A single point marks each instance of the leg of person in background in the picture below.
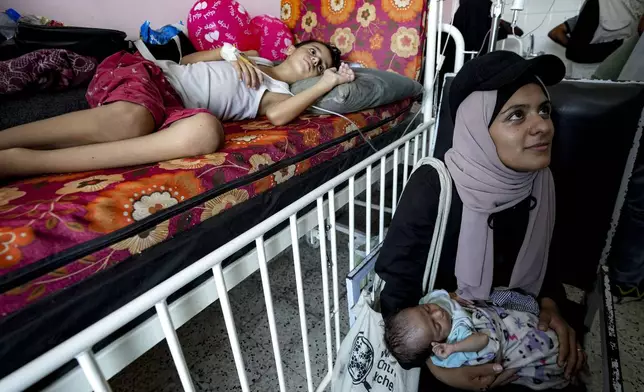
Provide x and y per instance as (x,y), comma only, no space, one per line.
(579,48)
(196,135)
(613,66)
(633,69)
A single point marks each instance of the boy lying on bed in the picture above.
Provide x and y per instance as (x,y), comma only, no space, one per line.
(451,335)
(131,98)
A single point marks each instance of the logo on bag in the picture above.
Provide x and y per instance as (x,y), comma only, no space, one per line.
(361,362)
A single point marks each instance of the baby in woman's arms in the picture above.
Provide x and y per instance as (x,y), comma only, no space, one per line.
(452,336)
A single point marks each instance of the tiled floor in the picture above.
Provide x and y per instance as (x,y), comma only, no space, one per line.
(210,360)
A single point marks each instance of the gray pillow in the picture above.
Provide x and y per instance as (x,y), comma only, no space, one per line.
(371,88)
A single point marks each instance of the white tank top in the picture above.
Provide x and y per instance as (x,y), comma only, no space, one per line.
(215,86)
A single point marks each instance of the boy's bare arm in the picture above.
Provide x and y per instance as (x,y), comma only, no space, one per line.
(282,108)
(209,55)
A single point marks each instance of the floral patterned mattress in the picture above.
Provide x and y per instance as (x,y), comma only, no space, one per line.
(42,217)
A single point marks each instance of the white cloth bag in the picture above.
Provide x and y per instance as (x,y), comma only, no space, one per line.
(363,363)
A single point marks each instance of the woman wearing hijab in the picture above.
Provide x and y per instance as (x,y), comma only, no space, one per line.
(502,214)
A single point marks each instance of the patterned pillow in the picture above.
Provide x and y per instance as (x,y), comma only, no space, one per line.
(212,23)
(384,34)
(274,37)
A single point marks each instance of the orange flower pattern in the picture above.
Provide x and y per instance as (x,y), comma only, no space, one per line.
(290,12)
(390,31)
(337,11)
(402,10)
(144,240)
(264,138)
(363,58)
(90,184)
(264,184)
(11,240)
(136,200)
(9,194)
(341,127)
(214,159)
(412,70)
(39,217)
(375,42)
(311,137)
(223,202)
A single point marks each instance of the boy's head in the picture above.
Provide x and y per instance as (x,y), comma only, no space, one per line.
(311,58)
(409,334)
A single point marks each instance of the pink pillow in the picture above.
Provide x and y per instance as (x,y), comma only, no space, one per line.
(275,37)
(211,23)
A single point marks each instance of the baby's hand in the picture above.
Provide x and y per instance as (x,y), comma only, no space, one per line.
(442,350)
(334,77)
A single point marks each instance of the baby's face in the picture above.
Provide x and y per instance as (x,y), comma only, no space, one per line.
(433,320)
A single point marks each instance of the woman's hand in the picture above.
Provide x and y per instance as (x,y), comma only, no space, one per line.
(248,73)
(571,355)
(461,301)
(333,77)
(474,378)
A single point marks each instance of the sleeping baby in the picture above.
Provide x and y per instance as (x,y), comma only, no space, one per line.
(453,336)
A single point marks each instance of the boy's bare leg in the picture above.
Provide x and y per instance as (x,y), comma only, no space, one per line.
(115,121)
(196,135)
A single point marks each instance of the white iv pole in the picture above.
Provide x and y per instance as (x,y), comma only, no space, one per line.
(496,12)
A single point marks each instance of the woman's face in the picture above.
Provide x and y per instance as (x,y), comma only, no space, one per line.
(523,130)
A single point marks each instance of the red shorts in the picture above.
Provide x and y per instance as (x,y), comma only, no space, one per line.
(131,78)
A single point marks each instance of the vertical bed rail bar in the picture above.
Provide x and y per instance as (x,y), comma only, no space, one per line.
(406,163)
(416,145)
(92,372)
(368,211)
(325,284)
(423,153)
(394,193)
(173,344)
(300,299)
(268,298)
(430,60)
(381,217)
(220,283)
(334,268)
(352,222)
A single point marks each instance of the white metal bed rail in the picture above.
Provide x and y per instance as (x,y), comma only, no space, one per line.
(80,345)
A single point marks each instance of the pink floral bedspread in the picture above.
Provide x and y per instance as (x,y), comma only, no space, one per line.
(40,217)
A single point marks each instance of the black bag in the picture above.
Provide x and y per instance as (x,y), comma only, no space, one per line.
(173,50)
(86,41)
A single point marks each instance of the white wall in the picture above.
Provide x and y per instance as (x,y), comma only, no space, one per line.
(125,15)
(539,18)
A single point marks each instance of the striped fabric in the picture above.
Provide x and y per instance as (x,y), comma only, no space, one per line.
(514,300)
